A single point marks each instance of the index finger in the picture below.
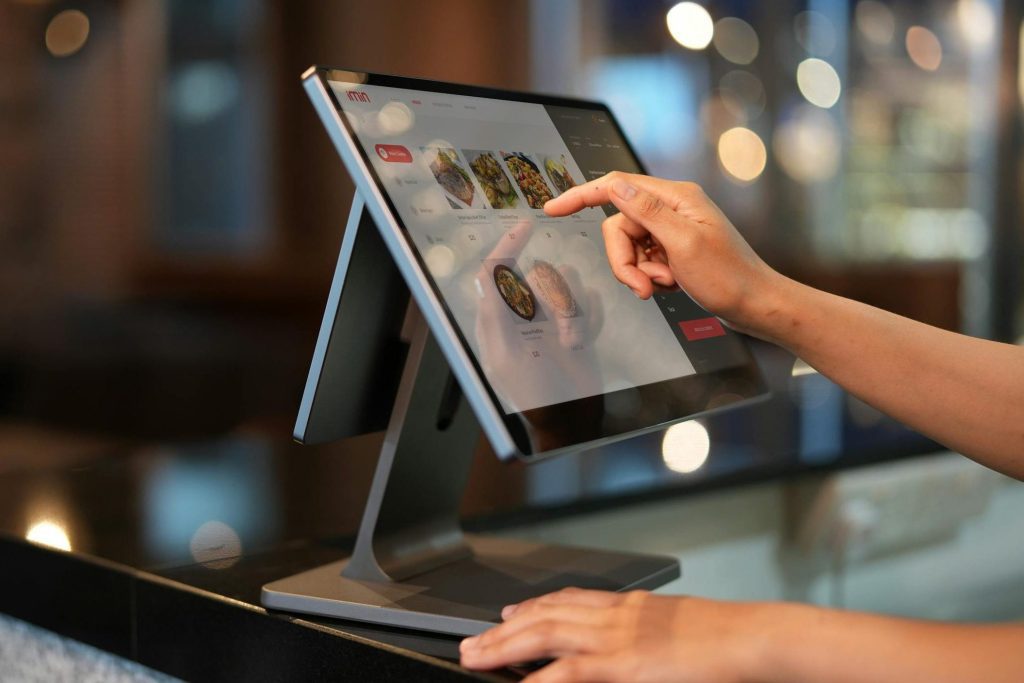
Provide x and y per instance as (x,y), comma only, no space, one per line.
(597,192)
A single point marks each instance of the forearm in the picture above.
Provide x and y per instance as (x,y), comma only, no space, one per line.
(965,393)
(811,644)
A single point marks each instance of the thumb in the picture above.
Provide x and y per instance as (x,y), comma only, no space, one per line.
(644,208)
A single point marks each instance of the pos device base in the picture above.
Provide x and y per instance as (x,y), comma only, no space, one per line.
(412,567)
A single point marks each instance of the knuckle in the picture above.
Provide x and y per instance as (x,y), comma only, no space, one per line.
(648,205)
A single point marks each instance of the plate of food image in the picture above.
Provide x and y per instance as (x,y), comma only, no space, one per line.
(492,178)
(529,179)
(453,179)
(553,289)
(558,174)
(515,292)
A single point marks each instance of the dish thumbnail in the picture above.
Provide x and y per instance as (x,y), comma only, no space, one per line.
(493,179)
(553,289)
(529,179)
(453,179)
(515,293)
(559,174)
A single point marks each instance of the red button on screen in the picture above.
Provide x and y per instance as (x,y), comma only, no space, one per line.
(704,328)
(395,154)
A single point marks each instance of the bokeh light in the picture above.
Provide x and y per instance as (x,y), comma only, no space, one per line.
(203,90)
(49,533)
(215,545)
(395,118)
(67,32)
(736,40)
(818,82)
(685,447)
(815,33)
(924,48)
(801,368)
(440,261)
(808,145)
(977,21)
(742,154)
(875,22)
(690,25)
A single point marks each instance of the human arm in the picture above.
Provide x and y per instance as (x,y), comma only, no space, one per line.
(637,637)
(965,393)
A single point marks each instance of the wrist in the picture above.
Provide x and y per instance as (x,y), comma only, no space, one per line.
(773,312)
(779,633)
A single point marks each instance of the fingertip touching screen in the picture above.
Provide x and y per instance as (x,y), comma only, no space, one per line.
(570,355)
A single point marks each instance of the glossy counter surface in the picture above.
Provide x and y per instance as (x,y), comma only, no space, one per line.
(166,546)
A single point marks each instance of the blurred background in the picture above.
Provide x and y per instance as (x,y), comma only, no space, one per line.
(171,211)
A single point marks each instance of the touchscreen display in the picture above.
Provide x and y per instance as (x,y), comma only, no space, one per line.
(533,296)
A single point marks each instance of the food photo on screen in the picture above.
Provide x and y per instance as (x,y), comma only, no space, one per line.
(454,180)
(497,186)
(558,172)
(528,177)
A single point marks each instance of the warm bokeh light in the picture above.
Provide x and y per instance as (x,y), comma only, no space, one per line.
(50,534)
(977,21)
(67,32)
(736,40)
(924,48)
(742,154)
(690,25)
(875,21)
(818,82)
(808,145)
(685,447)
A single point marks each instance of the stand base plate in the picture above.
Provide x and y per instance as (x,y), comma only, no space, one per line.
(465,597)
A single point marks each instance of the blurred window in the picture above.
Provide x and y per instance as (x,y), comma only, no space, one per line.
(214,171)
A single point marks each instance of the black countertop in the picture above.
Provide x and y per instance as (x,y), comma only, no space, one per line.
(168,545)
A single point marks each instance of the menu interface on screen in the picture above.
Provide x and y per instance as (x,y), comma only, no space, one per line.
(533,295)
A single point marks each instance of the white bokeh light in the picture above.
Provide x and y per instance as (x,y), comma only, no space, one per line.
(685,447)
(977,21)
(690,25)
(818,82)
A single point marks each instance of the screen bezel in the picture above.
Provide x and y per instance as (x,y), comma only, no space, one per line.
(746,376)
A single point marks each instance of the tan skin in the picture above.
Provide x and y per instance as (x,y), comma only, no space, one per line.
(963,392)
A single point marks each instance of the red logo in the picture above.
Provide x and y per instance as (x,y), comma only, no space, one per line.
(704,328)
(358,96)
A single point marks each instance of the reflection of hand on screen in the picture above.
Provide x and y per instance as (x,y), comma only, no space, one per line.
(522,362)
